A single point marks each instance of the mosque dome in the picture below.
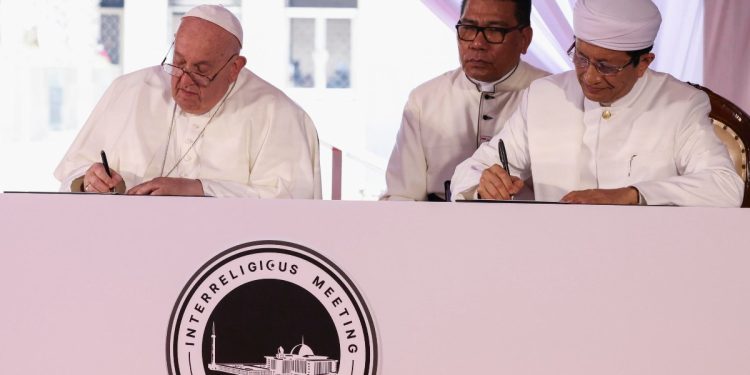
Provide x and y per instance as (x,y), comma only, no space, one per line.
(302,350)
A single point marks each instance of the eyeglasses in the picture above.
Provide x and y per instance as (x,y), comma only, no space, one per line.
(198,78)
(582,62)
(494,35)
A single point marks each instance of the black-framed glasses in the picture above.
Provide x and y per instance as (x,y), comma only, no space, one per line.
(582,62)
(198,78)
(492,34)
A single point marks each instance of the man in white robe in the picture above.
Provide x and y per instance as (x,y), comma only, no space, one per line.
(610,132)
(200,124)
(448,117)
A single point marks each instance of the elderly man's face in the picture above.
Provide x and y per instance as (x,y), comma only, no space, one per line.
(607,89)
(485,61)
(204,48)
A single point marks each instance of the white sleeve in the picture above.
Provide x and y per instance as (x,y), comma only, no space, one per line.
(706,175)
(96,131)
(406,176)
(67,181)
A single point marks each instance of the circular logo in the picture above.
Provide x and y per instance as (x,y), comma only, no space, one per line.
(267,308)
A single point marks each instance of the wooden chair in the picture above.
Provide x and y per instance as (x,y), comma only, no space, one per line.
(732,125)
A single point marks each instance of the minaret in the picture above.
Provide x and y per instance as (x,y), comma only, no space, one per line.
(213,343)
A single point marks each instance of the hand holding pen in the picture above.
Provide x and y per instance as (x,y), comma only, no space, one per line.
(496,181)
(99,178)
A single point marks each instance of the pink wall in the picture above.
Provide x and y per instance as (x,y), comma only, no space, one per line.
(727,50)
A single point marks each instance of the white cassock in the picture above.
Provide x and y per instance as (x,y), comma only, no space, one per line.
(657,138)
(444,121)
(259,143)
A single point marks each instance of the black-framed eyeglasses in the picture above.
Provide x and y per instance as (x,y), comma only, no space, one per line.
(492,34)
(582,62)
(198,78)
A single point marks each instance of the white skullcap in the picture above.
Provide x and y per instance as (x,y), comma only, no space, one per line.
(620,25)
(219,16)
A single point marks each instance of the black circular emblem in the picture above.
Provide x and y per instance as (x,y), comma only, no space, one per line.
(267,308)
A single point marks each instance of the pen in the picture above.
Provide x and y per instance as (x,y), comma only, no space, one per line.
(106,167)
(503,158)
(502,154)
(104,162)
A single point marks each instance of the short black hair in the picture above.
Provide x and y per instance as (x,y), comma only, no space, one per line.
(523,10)
(635,56)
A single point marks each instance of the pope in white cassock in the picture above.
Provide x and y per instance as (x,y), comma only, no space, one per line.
(199,124)
(448,117)
(610,132)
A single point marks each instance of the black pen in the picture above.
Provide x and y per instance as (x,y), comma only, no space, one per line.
(501,153)
(503,157)
(106,167)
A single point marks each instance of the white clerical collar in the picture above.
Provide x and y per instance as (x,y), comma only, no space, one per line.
(625,101)
(490,86)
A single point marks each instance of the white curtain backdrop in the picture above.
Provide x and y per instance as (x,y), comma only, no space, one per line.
(678,48)
(727,50)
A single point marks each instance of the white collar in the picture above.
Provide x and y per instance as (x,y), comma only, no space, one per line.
(626,101)
(490,86)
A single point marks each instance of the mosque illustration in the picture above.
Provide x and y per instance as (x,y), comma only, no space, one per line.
(300,361)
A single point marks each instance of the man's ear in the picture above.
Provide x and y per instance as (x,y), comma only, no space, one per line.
(526,34)
(237,66)
(644,62)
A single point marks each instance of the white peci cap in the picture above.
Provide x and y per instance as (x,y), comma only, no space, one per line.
(220,16)
(627,25)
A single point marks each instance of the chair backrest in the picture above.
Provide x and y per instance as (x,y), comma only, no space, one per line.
(732,125)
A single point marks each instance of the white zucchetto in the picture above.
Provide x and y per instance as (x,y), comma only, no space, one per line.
(220,16)
(620,25)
